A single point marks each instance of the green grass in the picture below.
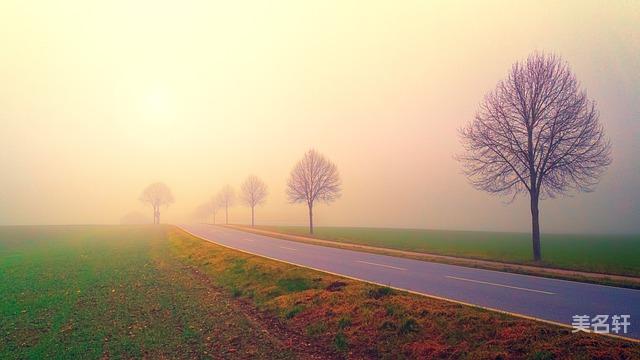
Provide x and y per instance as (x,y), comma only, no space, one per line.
(158,292)
(95,291)
(610,254)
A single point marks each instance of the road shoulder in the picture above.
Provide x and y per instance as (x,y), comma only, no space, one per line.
(554,273)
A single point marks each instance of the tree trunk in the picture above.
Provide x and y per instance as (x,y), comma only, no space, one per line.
(252,217)
(310,218)
(226,214)
(535,227)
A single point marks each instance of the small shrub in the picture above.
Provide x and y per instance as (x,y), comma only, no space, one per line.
(380,292)
(409,325)
(340,342)
(392,309)
(316,329)
(235,292)
(388,326)
(189,334)
(344,322)
(289,314)
(336,286)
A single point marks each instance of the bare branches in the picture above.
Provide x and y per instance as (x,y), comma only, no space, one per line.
(203,211)
(537,132)
(226,198)
(214,205)
(157,195)
(254,191)
(314,178)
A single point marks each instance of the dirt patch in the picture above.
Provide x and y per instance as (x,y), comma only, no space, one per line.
(336,286)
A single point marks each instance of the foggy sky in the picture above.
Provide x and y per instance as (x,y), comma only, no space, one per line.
(100,99)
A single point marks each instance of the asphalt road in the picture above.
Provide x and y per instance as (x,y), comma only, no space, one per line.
(544,298)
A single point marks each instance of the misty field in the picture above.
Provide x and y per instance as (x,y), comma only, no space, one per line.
(610,254)
(111,291)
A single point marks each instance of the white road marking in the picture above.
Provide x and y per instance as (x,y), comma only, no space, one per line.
(288,248)
(387,266)
(501,285)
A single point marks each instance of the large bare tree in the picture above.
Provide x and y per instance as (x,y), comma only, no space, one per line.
(254,192)
(314,178)
(536,133)
(226,198)
(157,195)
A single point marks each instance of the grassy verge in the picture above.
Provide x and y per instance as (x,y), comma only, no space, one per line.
(158,292)
(355,319)
(608,254)
(624,274)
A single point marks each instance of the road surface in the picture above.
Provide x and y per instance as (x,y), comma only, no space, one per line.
(544,298)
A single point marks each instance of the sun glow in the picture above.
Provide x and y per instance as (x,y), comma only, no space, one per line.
(157,102)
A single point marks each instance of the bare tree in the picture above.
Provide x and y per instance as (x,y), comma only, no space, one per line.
(226,198)
(202,212)
(214,207)
(157,195)
(254,192)
(207,211)
(537,133)
(314,178)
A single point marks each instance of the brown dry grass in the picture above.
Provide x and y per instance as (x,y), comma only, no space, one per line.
(359,320)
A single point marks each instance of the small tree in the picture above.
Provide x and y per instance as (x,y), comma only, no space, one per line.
(536,133)
(314,178)
(214,207)
(254,192)
(157,195)
(202,212)
(226,198)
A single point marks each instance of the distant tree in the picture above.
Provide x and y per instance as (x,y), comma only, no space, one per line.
(157,195)
(214,204)
(226,198)
(314,178)
(254,192)
(204,211)
(537,133)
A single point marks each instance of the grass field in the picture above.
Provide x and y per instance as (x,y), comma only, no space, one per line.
(609,254)
(157,292)
(89,292)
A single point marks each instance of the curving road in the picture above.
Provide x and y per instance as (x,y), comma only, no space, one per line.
(544,298)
